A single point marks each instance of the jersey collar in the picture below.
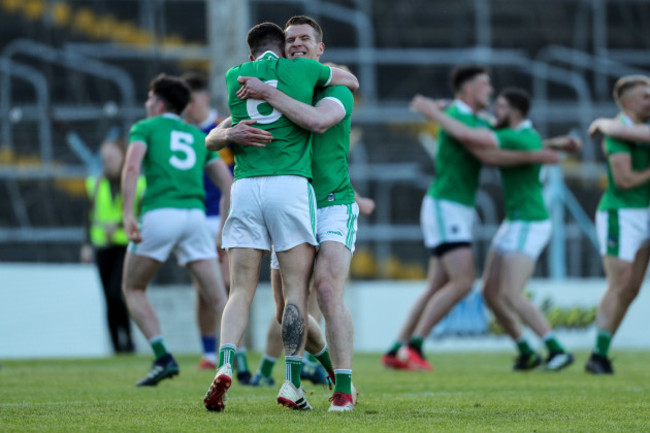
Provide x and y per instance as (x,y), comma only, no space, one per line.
(267,54)
(172,116)
(463,107)
(626,120)
(525,124)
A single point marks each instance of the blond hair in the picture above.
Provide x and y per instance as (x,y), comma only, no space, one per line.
(627,83)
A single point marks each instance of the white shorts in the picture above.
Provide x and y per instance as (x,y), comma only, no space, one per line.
(622,232)
(339,224)
(213,225)
(183,231)
(334,223)
(271,210)
(444,221)
(525,237)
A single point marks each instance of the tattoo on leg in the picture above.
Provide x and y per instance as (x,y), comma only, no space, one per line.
(293,329)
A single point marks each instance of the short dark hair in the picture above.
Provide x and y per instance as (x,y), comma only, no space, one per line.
(303,19)
(172,91)
(196,81)
(517,98)
(265,36)
(464,73)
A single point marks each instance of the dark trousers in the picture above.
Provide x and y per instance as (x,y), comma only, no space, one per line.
(110,263)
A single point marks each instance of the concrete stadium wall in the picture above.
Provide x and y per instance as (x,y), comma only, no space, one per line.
(58,311)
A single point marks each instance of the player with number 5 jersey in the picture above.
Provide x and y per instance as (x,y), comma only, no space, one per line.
(173,157)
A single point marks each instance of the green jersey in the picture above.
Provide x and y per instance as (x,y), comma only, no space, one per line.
(457,170)
(521,184)
(637,197)
(290,151)
(174,162)
(331,149)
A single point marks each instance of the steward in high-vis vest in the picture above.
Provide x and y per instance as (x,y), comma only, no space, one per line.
(105,216)
(105,232)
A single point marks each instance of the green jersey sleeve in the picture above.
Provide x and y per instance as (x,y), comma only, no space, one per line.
(139,132)
(340,94)
(612,146)
(210,156)
(322,75)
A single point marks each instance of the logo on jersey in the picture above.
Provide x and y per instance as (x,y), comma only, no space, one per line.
(331,197)
(612,242)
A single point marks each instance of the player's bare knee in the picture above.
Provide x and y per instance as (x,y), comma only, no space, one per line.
(628,294)
(328,297)
(463,284)
(490,294)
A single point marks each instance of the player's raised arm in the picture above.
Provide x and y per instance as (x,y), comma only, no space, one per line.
(130,174)
(469,137)
(507,158)
(564,143)
(617,129)
(319,118)
(243,134)
(344,78)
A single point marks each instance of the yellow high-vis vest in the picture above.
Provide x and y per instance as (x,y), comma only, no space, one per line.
(107,211)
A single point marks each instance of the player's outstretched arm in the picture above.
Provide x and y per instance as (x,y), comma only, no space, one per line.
(344,78)
(564,143)
(317,119)
(220,175)
(615,129)
(243,134)
(469,137)
(498,157)
(130,173)
(624,176)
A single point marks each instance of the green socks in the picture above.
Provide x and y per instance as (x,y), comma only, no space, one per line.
(158,346)
(266,366)
(343,381)
(395,348)
(324,358)
(311,358)
(241,363)
(523,347)
(603,340)
(416,343)
(226,354)
(293,367)
(552,344)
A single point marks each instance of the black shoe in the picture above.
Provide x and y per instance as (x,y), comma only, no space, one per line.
(598,364)
(244,377)
(527,361)
(162,368)
(558,360)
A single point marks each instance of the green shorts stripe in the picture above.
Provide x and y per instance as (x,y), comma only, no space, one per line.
(523,237)
(312,209)
(350,225)
(613,233)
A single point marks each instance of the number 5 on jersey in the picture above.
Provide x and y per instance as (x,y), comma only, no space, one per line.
(182,142)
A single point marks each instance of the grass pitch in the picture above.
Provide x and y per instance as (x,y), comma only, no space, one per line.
(468,392)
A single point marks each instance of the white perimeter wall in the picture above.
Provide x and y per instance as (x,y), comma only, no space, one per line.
(58,311)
